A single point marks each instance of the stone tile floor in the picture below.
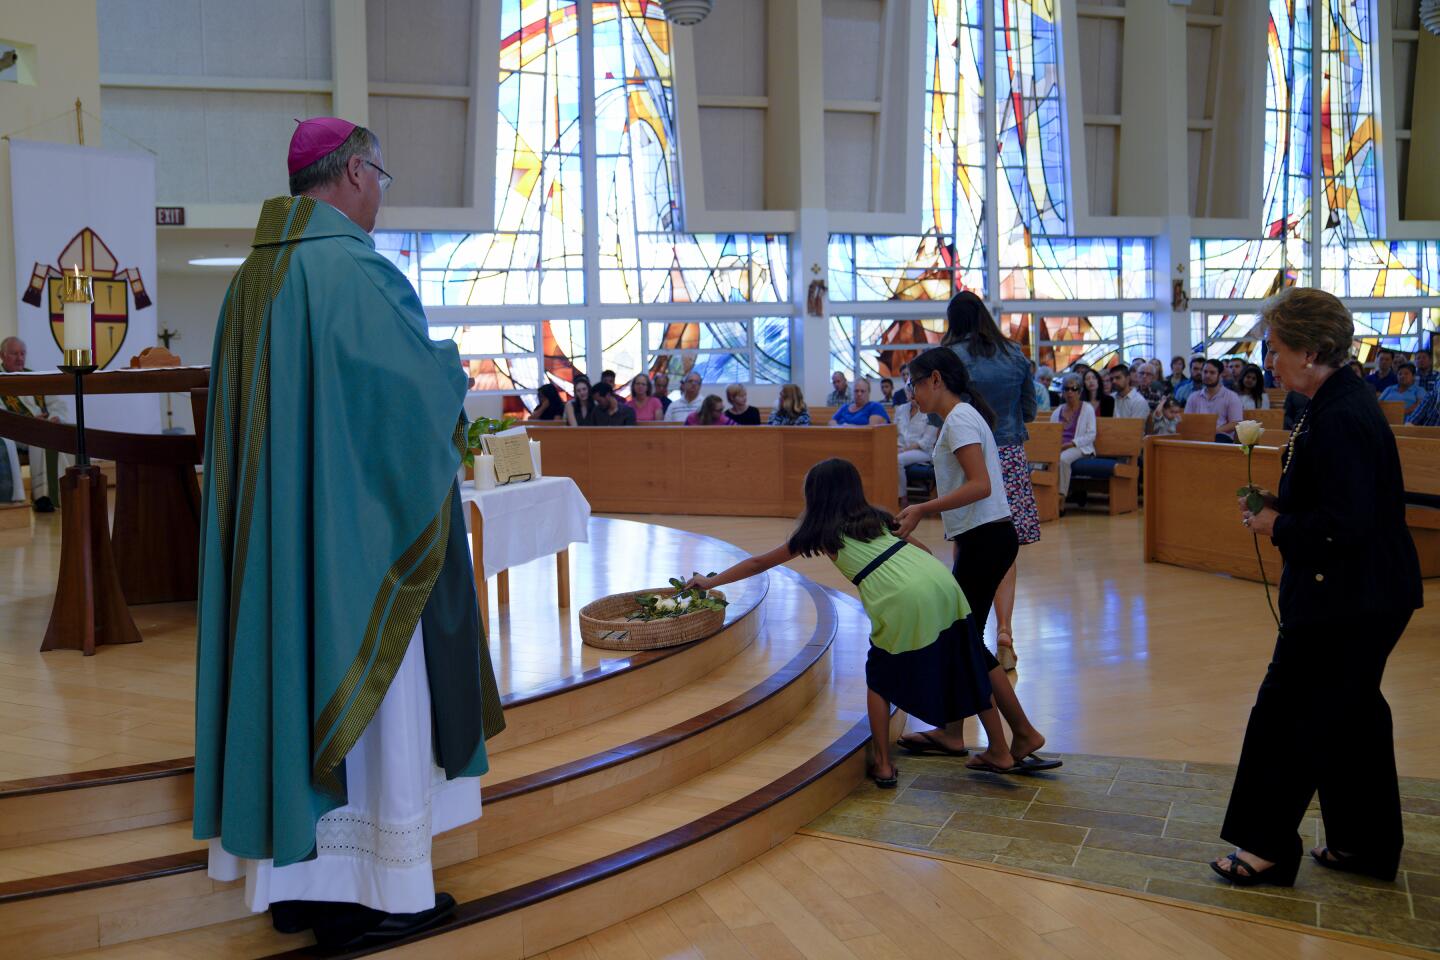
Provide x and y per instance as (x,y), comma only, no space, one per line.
(1144,825)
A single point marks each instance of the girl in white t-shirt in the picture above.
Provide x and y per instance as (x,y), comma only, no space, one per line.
(971,501)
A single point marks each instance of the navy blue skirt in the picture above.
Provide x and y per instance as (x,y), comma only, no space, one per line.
(938,684)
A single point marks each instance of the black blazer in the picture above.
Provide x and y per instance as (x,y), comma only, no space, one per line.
(1341,531)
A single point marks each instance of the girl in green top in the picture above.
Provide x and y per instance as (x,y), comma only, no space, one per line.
(925,656)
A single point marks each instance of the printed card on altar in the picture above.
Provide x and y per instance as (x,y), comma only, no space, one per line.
(512,457)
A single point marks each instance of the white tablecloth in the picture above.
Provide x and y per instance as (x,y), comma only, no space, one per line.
(526,521)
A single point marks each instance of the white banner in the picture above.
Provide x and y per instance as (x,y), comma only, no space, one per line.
(95,209)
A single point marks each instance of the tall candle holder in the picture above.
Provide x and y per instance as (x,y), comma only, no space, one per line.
(90,607)
(77,295)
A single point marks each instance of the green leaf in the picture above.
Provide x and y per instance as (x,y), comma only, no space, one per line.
(677,583)
(1254,502)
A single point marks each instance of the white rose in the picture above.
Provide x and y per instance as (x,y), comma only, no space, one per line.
(684,603)
(1248,432)
(666,605)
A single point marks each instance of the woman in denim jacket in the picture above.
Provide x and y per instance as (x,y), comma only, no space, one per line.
(999,370)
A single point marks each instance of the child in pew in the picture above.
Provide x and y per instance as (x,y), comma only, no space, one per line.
(925,654)
(971,499)
(1165,419)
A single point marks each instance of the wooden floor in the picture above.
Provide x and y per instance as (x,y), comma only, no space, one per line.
(1126,658)
(1117,657)
(62,713)
(816,897)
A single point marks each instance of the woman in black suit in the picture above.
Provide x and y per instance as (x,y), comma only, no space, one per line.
(1350,584)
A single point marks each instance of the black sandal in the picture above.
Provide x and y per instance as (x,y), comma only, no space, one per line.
(1332,859)
(886,783)
(1278,874)
(930,746)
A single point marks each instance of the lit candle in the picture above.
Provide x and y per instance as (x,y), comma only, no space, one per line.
(79,332)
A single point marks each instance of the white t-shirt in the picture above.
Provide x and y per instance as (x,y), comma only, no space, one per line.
(680,408)
(961,428)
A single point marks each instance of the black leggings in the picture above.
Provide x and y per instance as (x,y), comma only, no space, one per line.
(983,555)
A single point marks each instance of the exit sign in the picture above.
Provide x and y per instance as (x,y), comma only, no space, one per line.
(169,216)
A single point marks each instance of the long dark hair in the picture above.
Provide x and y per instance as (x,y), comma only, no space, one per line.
(956,377)
(1258,392)
(589,403)
(835,507)
(968,322)
(554,406)
(1086,393)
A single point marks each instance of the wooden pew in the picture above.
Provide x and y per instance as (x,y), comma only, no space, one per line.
(1420,465)
(1394,410)
(1277,397)
(1422,433)
(1273,419)
(713,471)
(1197,426)
(1274,438)
(1043,450)
(1117,439)
(1191,518)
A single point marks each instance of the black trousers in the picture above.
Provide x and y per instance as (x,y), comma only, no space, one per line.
(983,555)
(1321,723)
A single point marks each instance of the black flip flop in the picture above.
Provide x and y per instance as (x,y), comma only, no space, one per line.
(1036,763)
(930,747)
(985,766)
(885,783)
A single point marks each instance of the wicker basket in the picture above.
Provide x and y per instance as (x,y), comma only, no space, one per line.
(603,623)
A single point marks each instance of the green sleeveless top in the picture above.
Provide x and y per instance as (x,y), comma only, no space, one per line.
(911,598)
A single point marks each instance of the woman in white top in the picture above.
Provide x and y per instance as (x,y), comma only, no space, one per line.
(972,503)
(915,440)
(1077,431)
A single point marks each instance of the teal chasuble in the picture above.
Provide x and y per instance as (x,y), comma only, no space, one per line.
(332,526)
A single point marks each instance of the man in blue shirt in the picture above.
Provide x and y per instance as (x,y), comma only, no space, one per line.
(1405,389)
(1384,375)
(1427,414)
(1182,392)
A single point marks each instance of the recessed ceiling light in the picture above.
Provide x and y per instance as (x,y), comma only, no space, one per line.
(217,262)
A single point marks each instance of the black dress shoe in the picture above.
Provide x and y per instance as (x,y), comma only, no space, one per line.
(291,916)
(362,927)
(43,505)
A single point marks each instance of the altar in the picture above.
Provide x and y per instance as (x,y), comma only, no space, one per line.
(521,522)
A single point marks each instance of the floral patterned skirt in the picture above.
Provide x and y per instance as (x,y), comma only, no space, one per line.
(1023,514)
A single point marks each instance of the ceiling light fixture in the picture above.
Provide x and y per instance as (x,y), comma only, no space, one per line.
(686,13)
(217,261)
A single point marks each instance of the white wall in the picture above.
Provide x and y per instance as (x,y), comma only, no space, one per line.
(190,307)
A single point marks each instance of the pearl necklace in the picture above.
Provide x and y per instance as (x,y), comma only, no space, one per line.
(1294,435)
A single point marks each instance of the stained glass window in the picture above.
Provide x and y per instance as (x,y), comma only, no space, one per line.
(1089,268)
(511,357)
(644,255)
(751,350)
(1030,120)
(869,347)
(1229,335)
(1349,161)
(1036,260)
(1059,342)
(1405,330)
(1257,267)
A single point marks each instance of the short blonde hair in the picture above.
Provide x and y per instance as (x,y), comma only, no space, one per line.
(731,392)
(1306,319)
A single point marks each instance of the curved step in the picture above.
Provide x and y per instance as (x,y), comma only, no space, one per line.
(541,894)
(519,808)
(49,809)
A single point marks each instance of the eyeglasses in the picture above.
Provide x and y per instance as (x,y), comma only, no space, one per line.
(385,178)
(1072,389)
